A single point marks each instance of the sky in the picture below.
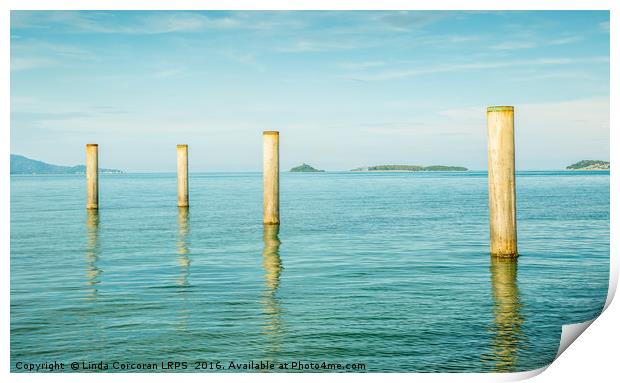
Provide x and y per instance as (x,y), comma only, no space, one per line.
(345,89)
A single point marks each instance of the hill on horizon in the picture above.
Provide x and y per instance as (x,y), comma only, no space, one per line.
(25,165)
(589,165)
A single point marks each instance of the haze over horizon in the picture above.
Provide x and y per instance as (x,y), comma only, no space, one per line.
(345,89)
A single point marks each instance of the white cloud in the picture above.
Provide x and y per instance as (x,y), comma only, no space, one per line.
(170,72)
(409,20)
(510,45)
(318,46)
(362,65)
(25,63)
(566,40)
(243,58)
(154,22)
(31,54)
(458,67)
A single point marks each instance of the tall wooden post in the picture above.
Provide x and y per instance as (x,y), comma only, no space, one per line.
(92,176)
(502,191)
(271,178)
(182,183)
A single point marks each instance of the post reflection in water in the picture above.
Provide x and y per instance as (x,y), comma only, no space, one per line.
(508,337)
(183,261)
(272,264)
(183,246)
(93,251)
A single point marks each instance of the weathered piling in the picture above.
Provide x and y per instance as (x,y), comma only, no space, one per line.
(271,178)
(502,193)
(92,176)
(182,183)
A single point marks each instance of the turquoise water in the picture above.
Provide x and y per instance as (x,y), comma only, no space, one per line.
(386,269)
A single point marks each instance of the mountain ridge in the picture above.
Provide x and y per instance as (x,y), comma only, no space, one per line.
(24,165)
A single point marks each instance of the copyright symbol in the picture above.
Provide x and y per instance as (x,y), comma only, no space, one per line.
(75,365)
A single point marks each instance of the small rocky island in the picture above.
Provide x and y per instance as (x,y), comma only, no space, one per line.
(25,165)
(410,168)
(589,165)
(305,168)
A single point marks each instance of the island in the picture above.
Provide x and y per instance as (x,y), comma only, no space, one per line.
(305,168)
(410,168)
(589,165)
(25,165)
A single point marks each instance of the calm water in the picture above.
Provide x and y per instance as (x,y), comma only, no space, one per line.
(387,269)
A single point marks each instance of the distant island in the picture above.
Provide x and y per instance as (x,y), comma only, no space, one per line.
(24,165)
(305,168)
(589,165)
(410,168)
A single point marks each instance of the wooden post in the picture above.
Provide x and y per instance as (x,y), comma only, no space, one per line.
(271,178)
(182,184)
(502,193)
(92,176)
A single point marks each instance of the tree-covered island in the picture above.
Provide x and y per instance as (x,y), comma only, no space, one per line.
(305,168)
(410,168)
(589,165)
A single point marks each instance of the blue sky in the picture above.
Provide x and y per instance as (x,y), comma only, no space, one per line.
(345,89)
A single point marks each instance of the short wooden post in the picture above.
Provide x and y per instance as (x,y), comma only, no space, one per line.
(182,183)
(502,191)
(271,178)
(92,176)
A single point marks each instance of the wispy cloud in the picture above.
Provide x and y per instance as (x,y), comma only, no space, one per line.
(154,22)
(510,45)
(25,63)
(533,42)
(566,40)
(417,128)
(458,67)
(31,54)
(410,20)
(170,72)
(244,58)
(362,65)
(318,46)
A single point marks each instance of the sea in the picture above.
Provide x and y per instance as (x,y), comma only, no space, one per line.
(367,272)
